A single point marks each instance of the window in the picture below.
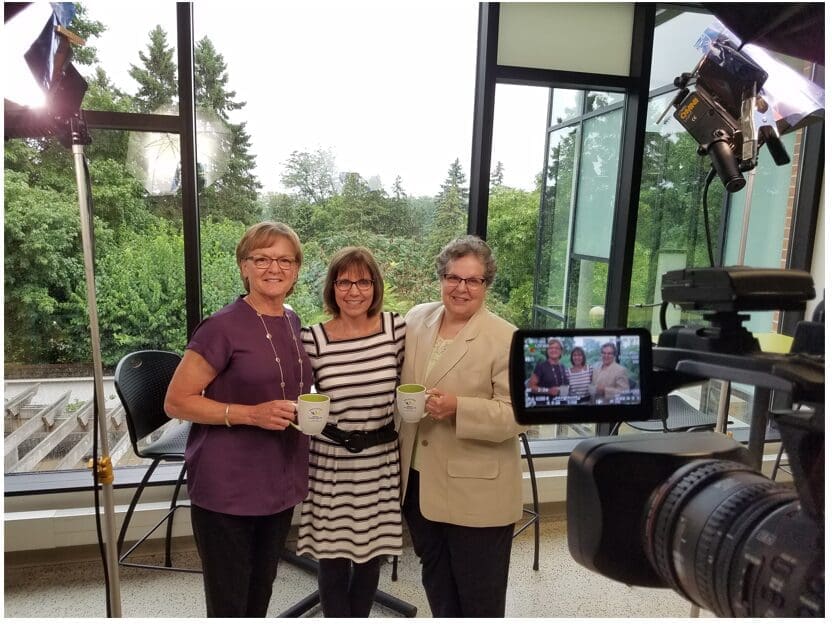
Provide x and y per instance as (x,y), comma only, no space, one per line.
(671,227)
(312,126)
(345,143)
(514,197)
(576,210)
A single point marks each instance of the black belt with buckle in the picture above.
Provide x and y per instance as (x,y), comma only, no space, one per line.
(357,440)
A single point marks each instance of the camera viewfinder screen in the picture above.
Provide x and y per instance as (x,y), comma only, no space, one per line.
(579,374)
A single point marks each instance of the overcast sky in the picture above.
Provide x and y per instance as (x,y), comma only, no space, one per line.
(388,87)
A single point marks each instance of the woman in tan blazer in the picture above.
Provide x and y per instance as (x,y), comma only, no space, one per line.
(461,463)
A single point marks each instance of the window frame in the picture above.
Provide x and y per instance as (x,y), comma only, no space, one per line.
(636,96)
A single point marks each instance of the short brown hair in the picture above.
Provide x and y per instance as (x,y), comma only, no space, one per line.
(262,235)
(463,246)
(353,257)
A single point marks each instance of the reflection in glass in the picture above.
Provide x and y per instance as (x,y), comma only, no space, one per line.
(566,104)
(155,158)
(599,99)
(597,185)
(554,228)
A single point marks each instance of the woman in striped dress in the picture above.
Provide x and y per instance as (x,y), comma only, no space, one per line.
(351,518)
(580,374)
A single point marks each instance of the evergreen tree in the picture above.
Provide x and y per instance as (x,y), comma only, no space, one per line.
(399,193)
(211,81)
(451,215)
(157,75)
(234,194)
(497,175)
(404,219)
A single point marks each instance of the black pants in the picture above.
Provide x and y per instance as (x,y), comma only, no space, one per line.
(464,569)
(239,559)
(347,588)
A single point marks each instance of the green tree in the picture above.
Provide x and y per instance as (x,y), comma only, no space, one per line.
(311,175)
(157,74)
(292,210)
(234,194)
(497,175)
(102,95)
(451,214)
(87,29)
(141,293)
(44,286)
(211,81)
(512,224)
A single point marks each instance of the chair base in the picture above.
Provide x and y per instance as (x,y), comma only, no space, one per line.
(535,510)
(313,599)
(168,566)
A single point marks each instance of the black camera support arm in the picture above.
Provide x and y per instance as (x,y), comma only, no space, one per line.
(800,377)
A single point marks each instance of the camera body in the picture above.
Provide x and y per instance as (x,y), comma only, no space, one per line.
(611,479)
(686,511)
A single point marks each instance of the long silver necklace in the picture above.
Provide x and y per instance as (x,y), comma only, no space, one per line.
(274,350)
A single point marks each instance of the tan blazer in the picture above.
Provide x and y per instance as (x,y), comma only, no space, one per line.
(470,465)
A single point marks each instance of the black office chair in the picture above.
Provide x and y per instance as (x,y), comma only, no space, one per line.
(141,381)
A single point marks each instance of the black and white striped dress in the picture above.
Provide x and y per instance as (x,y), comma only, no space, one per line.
(352,510)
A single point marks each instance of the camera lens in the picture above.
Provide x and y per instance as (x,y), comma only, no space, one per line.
(734,542)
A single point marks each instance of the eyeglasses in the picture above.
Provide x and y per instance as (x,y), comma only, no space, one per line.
(473,283)
(607,353)
(363,284)
(265,262)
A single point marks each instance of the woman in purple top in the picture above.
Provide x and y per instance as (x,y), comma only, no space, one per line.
(242,371)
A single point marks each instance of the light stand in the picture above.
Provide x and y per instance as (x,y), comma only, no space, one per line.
(79,138)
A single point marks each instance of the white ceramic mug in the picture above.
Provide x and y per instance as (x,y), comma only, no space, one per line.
(410,399)
(313,411)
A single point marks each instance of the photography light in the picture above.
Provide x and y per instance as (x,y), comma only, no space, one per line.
(59,114)
(21,87)
(44,90)
(739,98)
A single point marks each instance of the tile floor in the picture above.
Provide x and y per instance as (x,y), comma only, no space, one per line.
(561,588)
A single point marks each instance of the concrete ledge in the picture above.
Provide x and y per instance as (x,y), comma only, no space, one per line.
(65,525)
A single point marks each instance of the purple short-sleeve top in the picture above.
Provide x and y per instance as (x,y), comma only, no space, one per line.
(245,470)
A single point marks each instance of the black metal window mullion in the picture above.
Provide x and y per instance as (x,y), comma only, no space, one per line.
(542,222)
(190,193)
(630,165)
(573,209)
(484,94)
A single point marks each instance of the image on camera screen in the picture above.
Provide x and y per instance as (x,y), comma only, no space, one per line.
(588,375)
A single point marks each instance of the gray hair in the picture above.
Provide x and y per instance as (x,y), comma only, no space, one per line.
(464,246)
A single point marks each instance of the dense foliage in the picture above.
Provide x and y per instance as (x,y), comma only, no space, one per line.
(139,242)
(138,235)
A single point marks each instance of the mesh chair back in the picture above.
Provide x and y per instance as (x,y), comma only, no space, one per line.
(141,382)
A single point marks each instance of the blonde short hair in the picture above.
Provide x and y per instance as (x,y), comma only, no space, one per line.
(263,235)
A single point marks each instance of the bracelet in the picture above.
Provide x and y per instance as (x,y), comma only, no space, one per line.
(227,409)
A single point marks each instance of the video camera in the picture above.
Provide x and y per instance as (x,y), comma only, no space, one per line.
(687,511)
